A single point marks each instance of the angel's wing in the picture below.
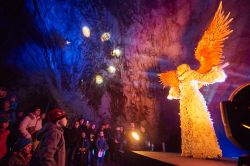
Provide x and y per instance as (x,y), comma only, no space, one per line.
(209,49)
(169,79)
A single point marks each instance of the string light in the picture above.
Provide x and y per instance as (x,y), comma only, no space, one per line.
(98,79)
(116,52)
(111,69)
(105,36)
(86,31)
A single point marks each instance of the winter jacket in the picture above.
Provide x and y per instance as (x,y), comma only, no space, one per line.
(83,143)
(101,144)
(17,159)
(3,139)
(75,136)
(51,150)
(29,125)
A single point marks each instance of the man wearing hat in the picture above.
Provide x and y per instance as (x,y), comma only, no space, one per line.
(51,150)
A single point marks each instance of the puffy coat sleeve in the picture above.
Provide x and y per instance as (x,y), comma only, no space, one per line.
(23,127)
(39,124)
(48,148)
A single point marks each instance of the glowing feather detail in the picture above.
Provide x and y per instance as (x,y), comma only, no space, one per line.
(169,79)
(209,49)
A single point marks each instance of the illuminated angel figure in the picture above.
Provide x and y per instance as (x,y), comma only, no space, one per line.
(197,133)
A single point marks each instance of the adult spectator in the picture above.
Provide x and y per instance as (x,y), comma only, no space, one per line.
(92,149)
(74,138)
(108,136)
(88,129)
(102,147)
(144,140)
(82,124)
(13,108)
(13,102)
(14,131)
(81,155)
(3,94)
(118,146)
(51,150)
(5,109)
(93,129)
(31,124)
(132,142)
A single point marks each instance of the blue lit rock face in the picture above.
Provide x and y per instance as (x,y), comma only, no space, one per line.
(154,36)
(56,51)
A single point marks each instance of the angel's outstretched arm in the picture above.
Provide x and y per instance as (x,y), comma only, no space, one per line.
(216,74)
(169,79)
(174,93)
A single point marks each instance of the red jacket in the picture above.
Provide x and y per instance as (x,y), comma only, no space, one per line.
(3,139)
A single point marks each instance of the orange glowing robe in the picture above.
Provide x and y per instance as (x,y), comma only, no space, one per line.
(197,132)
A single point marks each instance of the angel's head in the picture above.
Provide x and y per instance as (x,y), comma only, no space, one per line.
(181,69)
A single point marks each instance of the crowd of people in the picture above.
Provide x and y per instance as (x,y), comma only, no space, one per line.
(44,138)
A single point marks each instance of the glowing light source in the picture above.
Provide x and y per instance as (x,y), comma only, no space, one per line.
(116,52)
(86,31)
(246,126)
(111,69)
(170,97)
(135,135)
(98,79)
(68,42)
(105,36)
